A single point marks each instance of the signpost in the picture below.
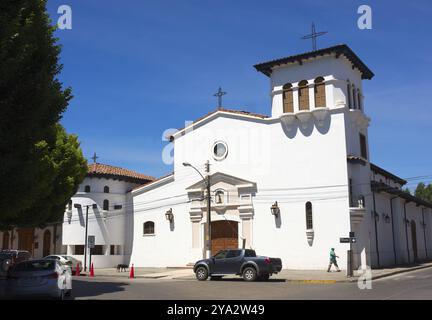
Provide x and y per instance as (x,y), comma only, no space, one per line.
(91,244)
(351,239)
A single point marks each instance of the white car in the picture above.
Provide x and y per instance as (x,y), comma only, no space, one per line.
(35,278)
(67,261)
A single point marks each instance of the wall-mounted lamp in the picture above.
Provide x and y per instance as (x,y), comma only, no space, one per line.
(386,218)
(169,215)
(275,209)
(407,222)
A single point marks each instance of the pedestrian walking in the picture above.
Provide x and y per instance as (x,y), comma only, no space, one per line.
(333,260)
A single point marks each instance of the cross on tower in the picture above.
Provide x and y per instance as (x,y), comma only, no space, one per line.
(313,36)
(219,95)
(95,157)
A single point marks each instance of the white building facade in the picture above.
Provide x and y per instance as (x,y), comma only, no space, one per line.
(310,159)
(101,204)
(289,185)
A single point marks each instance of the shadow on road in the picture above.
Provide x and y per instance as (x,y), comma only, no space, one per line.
(90,289)
(242,280)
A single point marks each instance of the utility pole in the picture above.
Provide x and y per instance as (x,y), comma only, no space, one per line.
(78,206)
(209,240)
(206,181)
(85,246)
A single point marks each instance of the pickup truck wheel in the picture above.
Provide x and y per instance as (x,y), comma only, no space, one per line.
(201,273)
(249,274)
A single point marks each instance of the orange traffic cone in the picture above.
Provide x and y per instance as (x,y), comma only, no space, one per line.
(91,270)
(132,272)
(77,270)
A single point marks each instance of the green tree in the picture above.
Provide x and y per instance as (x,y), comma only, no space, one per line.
(424,192)
(41,165)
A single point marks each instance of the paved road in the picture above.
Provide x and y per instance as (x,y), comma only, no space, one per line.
(413,285)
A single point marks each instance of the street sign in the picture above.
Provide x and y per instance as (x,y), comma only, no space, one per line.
(348,240)
(91,242)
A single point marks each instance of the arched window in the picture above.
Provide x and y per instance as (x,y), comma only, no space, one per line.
(288,102)
(70,205)
(5,243)
(106,189)
(309,219)
(349,94)
(87,189)
(319,93)
(106,205)
(303,93)
(354,97)
(149,227)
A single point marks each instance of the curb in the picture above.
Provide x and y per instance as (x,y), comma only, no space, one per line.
(315,281)
(400,271)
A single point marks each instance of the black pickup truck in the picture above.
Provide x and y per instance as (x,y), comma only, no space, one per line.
(242,262)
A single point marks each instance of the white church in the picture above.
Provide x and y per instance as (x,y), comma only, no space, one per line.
(289,185)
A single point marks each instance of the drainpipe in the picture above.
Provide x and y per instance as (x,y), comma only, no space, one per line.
(406,233)
(376,229)
(393,234)
(424,233)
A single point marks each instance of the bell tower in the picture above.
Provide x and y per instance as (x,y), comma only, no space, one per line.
(325,86)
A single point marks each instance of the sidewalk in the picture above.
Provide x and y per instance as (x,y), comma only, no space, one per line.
(300,276)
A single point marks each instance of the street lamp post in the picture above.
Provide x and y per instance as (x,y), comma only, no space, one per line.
(94,206)
(207,182)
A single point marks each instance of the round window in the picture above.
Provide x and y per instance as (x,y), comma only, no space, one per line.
(220,150)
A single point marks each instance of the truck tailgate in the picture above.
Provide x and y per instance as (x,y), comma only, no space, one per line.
(276,264)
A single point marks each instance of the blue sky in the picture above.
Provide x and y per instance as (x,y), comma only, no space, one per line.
(140,67)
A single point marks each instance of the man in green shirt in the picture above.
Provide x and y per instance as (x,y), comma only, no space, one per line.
(333,257)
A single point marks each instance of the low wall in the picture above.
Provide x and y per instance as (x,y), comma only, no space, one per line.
(101,261)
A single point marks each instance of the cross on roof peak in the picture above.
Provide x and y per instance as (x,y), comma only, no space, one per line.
(313,35)
(95,157)
(219,95)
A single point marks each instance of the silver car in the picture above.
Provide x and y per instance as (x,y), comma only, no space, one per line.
(39,278)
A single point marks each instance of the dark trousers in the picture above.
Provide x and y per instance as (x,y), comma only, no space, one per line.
(335,264)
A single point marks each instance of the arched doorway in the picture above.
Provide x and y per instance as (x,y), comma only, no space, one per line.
(224,235)
(5,244)
(25,239)
(46,243)
(414,239)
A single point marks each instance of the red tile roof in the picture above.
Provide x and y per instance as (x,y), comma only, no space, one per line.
(100,169)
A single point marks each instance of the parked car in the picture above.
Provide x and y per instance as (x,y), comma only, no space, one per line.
(39,278)
(8,258)
(75,262)
(243,262)
(69,261)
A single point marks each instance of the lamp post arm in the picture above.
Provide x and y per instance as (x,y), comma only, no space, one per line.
(204,179)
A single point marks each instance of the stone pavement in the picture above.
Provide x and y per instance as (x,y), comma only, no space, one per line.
(301,276)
